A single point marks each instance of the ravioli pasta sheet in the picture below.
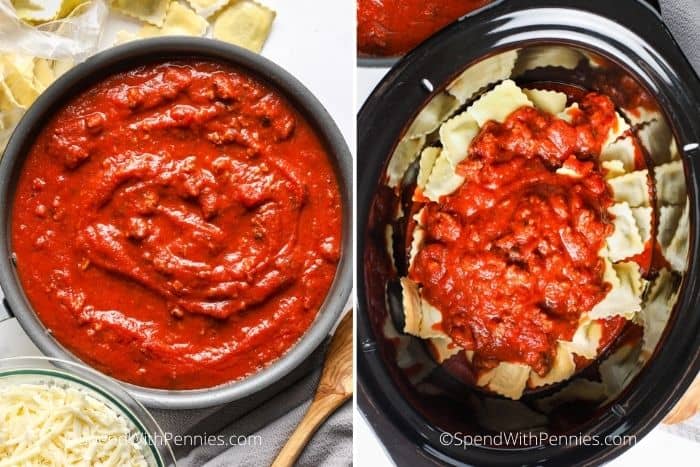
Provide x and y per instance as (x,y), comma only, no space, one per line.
(631,188)
(625,241)
(179,20)
(623,151)
(507,379)
(670,183)
(41,11)
(618,369)
(656,311)
(547,56)
(585,340)
(418,237)
(443,348)
(37,11)
(408,355)
(432,115)
(411,306)
(43,73)
(568,171)
(421,318)
(245,23)
(656,137)
(443,179)
(498,103)
(70,7)
(482,74)
(669,217)
(624,299)
(405,153)
(676,253)
(456,135)
(643,218)
(18,79)
(431,318)
(562,368)
(426,164)
(150,11)
(552,102)
(22,79)
(673,152)
(206,8)
(613,169)
(569,113)
(619,128)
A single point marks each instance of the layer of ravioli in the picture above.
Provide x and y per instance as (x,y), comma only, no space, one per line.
(529,217)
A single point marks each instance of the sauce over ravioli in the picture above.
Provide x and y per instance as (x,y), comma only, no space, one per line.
(511,257)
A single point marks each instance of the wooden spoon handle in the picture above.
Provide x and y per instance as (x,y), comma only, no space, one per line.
(318,412)
(688,406)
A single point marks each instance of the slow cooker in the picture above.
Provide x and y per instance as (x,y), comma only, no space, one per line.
(422,415)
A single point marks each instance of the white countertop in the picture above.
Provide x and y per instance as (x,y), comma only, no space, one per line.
(657,448)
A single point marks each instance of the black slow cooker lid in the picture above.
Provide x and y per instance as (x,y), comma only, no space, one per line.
(633,33)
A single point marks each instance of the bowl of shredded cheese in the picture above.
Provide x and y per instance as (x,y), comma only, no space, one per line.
(55,412)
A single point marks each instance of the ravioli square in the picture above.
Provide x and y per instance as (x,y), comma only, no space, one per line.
(150,11)
(244,23)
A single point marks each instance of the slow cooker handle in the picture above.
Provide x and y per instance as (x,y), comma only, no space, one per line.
(5,311)
(654,4)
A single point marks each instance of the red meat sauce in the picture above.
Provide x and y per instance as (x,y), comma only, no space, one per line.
(388,28)
(511,257)
(178,225)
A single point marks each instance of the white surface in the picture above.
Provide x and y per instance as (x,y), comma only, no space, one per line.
(657,448)
(367,79)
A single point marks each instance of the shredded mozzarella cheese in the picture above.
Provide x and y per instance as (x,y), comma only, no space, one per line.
(51,425)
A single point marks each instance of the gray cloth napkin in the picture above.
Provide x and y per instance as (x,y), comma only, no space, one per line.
(683,19)
(266,420)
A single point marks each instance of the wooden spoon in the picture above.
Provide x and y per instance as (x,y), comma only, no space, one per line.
(688,406)
(334,388)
